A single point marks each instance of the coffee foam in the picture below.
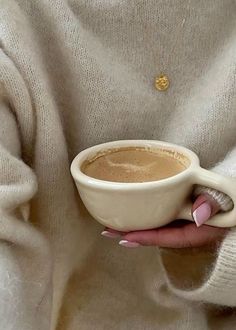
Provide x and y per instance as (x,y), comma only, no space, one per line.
(135,164)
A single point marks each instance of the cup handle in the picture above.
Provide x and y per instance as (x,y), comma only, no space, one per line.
(218,182)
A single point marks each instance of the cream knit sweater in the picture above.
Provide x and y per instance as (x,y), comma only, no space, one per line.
(74,73)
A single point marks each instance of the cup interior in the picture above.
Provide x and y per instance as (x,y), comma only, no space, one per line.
(166,153)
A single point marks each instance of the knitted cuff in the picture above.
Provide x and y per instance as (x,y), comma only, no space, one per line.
(219,287)
(225,202)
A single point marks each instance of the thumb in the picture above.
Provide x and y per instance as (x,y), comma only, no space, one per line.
(204,208)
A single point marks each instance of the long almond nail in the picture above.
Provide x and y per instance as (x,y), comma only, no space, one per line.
(129,244)
(202,214)
(109,234)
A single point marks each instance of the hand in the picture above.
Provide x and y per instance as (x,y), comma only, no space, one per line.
(179,234)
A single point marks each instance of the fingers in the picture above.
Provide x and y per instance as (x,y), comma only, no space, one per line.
(204,208)
(174,235)
(177,237)
(184,236)
(111,233)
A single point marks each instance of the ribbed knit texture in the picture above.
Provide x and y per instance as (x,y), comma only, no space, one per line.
(80,72)
(223,200)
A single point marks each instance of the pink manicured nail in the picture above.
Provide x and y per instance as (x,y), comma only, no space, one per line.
(129,244)
(202,214)
(109,234)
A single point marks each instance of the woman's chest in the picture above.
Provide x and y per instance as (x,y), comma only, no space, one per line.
(114,50)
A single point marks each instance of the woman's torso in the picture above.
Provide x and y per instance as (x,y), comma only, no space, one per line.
(90,68)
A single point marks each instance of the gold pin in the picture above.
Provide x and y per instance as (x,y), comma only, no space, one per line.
(162,82)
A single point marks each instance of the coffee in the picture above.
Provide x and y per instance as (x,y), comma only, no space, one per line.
(134,165)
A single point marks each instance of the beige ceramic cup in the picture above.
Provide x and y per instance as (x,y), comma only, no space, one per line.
(136,206)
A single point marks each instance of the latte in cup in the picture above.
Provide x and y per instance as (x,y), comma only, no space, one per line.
(132,185)
(134,164)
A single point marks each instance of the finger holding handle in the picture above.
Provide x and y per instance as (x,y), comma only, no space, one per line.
(221,183)
(204,207)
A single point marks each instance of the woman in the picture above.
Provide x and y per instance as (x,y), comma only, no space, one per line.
(77,73)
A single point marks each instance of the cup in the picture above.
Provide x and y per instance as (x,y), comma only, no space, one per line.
(146,205)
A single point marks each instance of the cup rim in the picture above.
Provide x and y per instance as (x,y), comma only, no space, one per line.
(86,180)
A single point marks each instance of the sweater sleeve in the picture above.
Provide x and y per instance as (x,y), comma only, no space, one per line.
(227,168)
(23,249)
(210,276)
